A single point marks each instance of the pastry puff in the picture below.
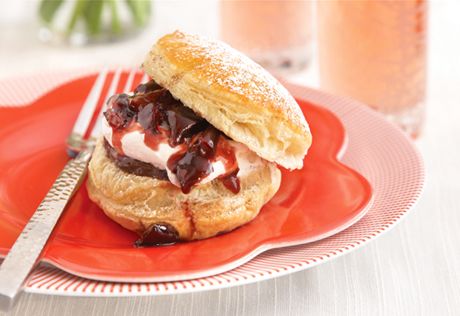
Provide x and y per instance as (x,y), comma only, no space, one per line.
(233,93)
(236,96)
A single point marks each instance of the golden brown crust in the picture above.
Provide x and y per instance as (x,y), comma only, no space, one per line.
(233,93)
(137,202)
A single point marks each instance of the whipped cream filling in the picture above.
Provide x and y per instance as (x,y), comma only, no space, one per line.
(133,146)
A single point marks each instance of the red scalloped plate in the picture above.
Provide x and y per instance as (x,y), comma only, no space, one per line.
(322,199)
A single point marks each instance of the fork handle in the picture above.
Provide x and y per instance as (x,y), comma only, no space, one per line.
(22,257)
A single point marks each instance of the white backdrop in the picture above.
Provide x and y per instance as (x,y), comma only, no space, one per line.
(412,270)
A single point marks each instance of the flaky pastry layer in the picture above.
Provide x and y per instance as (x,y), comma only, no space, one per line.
(233,93)
(137,202)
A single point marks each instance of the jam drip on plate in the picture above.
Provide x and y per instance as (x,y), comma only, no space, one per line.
(164,119)
(160,234)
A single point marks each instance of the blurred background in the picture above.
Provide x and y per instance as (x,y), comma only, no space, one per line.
(23,52)
(378,52)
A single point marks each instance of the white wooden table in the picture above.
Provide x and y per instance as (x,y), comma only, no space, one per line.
(412,270)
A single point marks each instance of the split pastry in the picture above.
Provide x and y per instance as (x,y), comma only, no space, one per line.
(193,153)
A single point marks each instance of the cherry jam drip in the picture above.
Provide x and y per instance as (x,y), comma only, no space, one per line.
(195,163)
(230,179)
(161,234)
(165,119)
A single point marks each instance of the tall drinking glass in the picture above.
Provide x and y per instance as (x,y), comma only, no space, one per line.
(275,33)
(375,51)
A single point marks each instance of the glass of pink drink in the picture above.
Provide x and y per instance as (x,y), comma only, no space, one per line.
(375,51)
(275,33)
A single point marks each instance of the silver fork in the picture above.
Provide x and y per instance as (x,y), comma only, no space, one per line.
(22,257)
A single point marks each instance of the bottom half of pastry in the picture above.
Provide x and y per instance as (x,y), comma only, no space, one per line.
(144,204)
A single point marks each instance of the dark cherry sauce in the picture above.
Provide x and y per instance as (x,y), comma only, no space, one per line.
(227,156)
(120,117)
(231,181)
(195,163)
(161,234)
(162,118)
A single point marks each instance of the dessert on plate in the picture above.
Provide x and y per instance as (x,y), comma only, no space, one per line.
(193,153)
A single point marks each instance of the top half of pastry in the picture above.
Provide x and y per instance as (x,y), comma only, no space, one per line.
(233,93)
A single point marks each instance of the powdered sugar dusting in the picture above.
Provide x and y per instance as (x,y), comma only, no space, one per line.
(219,64)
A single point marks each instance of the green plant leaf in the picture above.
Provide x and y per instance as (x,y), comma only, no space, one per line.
(78,10)
(116,25)
(140,10)
(93,16)
(48,9)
